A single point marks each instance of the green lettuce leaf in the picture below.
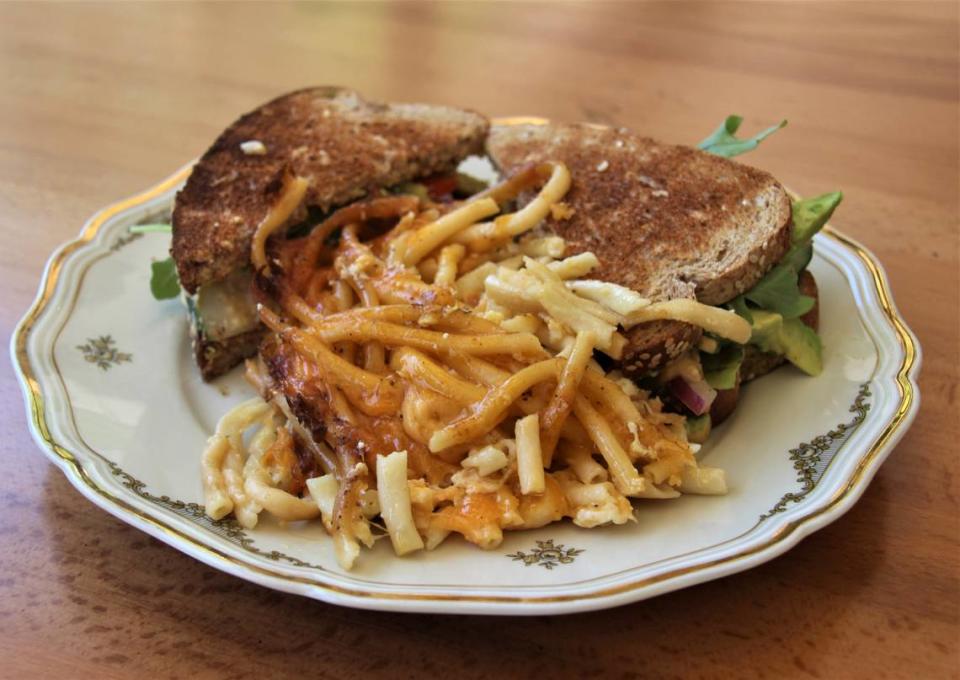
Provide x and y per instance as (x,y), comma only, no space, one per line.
(720,369)
(164,283)
(723,141)
(799,256)
(810,214)
(778,292)
(151,229)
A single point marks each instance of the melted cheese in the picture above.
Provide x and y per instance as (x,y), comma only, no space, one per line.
(226,308)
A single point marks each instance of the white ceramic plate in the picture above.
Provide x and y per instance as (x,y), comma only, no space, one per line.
(114,399)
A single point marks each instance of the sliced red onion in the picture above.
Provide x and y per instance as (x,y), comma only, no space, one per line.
(696,395)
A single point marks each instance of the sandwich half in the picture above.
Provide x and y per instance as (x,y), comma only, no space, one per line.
(675,222)
(344,148)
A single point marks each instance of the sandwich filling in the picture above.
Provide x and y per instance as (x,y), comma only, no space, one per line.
(679,225)
(782,310)
(223,309)
(224,325)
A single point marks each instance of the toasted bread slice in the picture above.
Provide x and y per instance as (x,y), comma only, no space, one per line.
(343,145)
(216,358)
(667,221)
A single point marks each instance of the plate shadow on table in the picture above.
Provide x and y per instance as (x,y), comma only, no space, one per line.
(114,579)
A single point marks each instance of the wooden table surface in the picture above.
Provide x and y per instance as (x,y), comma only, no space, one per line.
(100,101)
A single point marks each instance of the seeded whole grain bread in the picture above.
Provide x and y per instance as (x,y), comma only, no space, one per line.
(342,144)
(216,358)
(666,221)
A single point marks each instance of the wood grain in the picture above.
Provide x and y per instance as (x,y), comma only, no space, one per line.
(102,100)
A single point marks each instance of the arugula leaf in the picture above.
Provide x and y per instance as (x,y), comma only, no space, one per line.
(810,214)
(723,141)
(151,229)
(778,292)
(799,256)
(164,283)
(720,369)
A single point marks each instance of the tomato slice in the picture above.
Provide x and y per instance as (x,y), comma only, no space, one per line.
(440,186)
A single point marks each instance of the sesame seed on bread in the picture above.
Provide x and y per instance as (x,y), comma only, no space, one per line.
(342,144)
(666,221)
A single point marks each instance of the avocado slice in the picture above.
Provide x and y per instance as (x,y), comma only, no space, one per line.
(698,428)
(417,189)
(801,346)
(720,370)
(766,330)
(799,343)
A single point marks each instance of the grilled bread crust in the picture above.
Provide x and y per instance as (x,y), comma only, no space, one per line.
(666,221)
(342,144)
(216,358)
